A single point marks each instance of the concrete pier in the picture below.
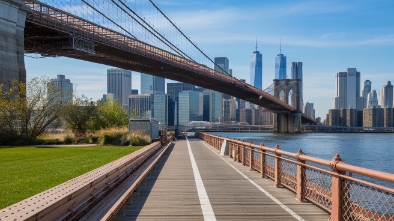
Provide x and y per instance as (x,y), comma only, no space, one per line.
(287,122)
(12,23)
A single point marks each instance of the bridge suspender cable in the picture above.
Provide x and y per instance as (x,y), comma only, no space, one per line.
(186,36)
(162,38)
(109,19)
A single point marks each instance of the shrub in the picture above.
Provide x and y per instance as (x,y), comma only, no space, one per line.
(138,138)
(51,142)
(68,140)
(119,137)
(93,139)
(113,136)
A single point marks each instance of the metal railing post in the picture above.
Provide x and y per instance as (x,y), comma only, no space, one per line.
(230,149)
(277,167)
(243,154)
(262,162)
(301,175)
(251,156)
(239,153)
(236,152)
(336,191)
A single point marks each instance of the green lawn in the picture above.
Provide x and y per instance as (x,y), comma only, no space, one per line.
(26,171)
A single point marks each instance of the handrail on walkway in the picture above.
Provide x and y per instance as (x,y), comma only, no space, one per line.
(328,184)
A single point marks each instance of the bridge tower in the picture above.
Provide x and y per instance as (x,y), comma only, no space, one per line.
(12,25)
(289,91)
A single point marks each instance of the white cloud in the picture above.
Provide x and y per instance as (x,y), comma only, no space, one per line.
(378,40)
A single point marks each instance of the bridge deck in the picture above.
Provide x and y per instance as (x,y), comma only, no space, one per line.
(170,192)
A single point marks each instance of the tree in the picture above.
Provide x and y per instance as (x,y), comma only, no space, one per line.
(26,110)
(80,115)
(110,114)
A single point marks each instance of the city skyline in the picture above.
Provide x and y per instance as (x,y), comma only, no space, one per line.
(326,36)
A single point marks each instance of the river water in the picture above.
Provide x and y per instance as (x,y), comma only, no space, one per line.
(368,150)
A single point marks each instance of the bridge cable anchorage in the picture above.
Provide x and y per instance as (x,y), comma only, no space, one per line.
(187,38)
(161,38)
(92,7)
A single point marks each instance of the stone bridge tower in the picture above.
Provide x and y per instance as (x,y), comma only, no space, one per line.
(289,91)
(12,25)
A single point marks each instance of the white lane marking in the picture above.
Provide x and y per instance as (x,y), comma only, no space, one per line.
(206,207)
(291,212)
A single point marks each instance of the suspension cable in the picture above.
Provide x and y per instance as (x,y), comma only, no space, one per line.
(108,19)
(188,39)
(162,38)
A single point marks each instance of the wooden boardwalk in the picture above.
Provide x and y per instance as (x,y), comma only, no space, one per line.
(232,191)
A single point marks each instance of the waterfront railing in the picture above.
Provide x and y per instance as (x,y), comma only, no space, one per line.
(331,185)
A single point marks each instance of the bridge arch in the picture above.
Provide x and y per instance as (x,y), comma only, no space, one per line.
(289,91)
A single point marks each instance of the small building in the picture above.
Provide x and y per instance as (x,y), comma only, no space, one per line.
(148,126)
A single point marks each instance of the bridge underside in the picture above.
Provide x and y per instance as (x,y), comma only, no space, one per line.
(52,37)
(39,39)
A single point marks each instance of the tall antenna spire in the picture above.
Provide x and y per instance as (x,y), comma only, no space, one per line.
(256,43)
(280,46)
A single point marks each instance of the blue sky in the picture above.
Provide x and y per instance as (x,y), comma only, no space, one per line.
(327,36)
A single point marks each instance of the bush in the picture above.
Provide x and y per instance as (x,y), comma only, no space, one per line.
(138,139)
(68,140)
(51,142)
(119,137)
(113,136)
(93,139)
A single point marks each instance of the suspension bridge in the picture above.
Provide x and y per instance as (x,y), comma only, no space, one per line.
(138,37)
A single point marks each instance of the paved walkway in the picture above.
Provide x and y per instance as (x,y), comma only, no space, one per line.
(196,183)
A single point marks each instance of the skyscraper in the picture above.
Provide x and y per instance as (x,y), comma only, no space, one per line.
(229,110)
(372,99)
(366,90)
(218,101)
(256,69)
(222,65)
(208,106)
(160,108)
(309,110)
(152,84)
(173,90)
(348,90)
(119,84)
(296,73)
(63,88)
(280,66)
(140,106)
(189,102)
(386,95)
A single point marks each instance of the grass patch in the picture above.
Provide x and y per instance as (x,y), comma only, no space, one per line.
(26,171)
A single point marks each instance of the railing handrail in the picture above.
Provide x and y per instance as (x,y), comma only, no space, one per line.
(340,165)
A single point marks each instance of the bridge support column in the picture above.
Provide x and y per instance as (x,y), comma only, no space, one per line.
(12,25)
(287,122)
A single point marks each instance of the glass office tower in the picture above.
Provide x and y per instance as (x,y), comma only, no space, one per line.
(256,70)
